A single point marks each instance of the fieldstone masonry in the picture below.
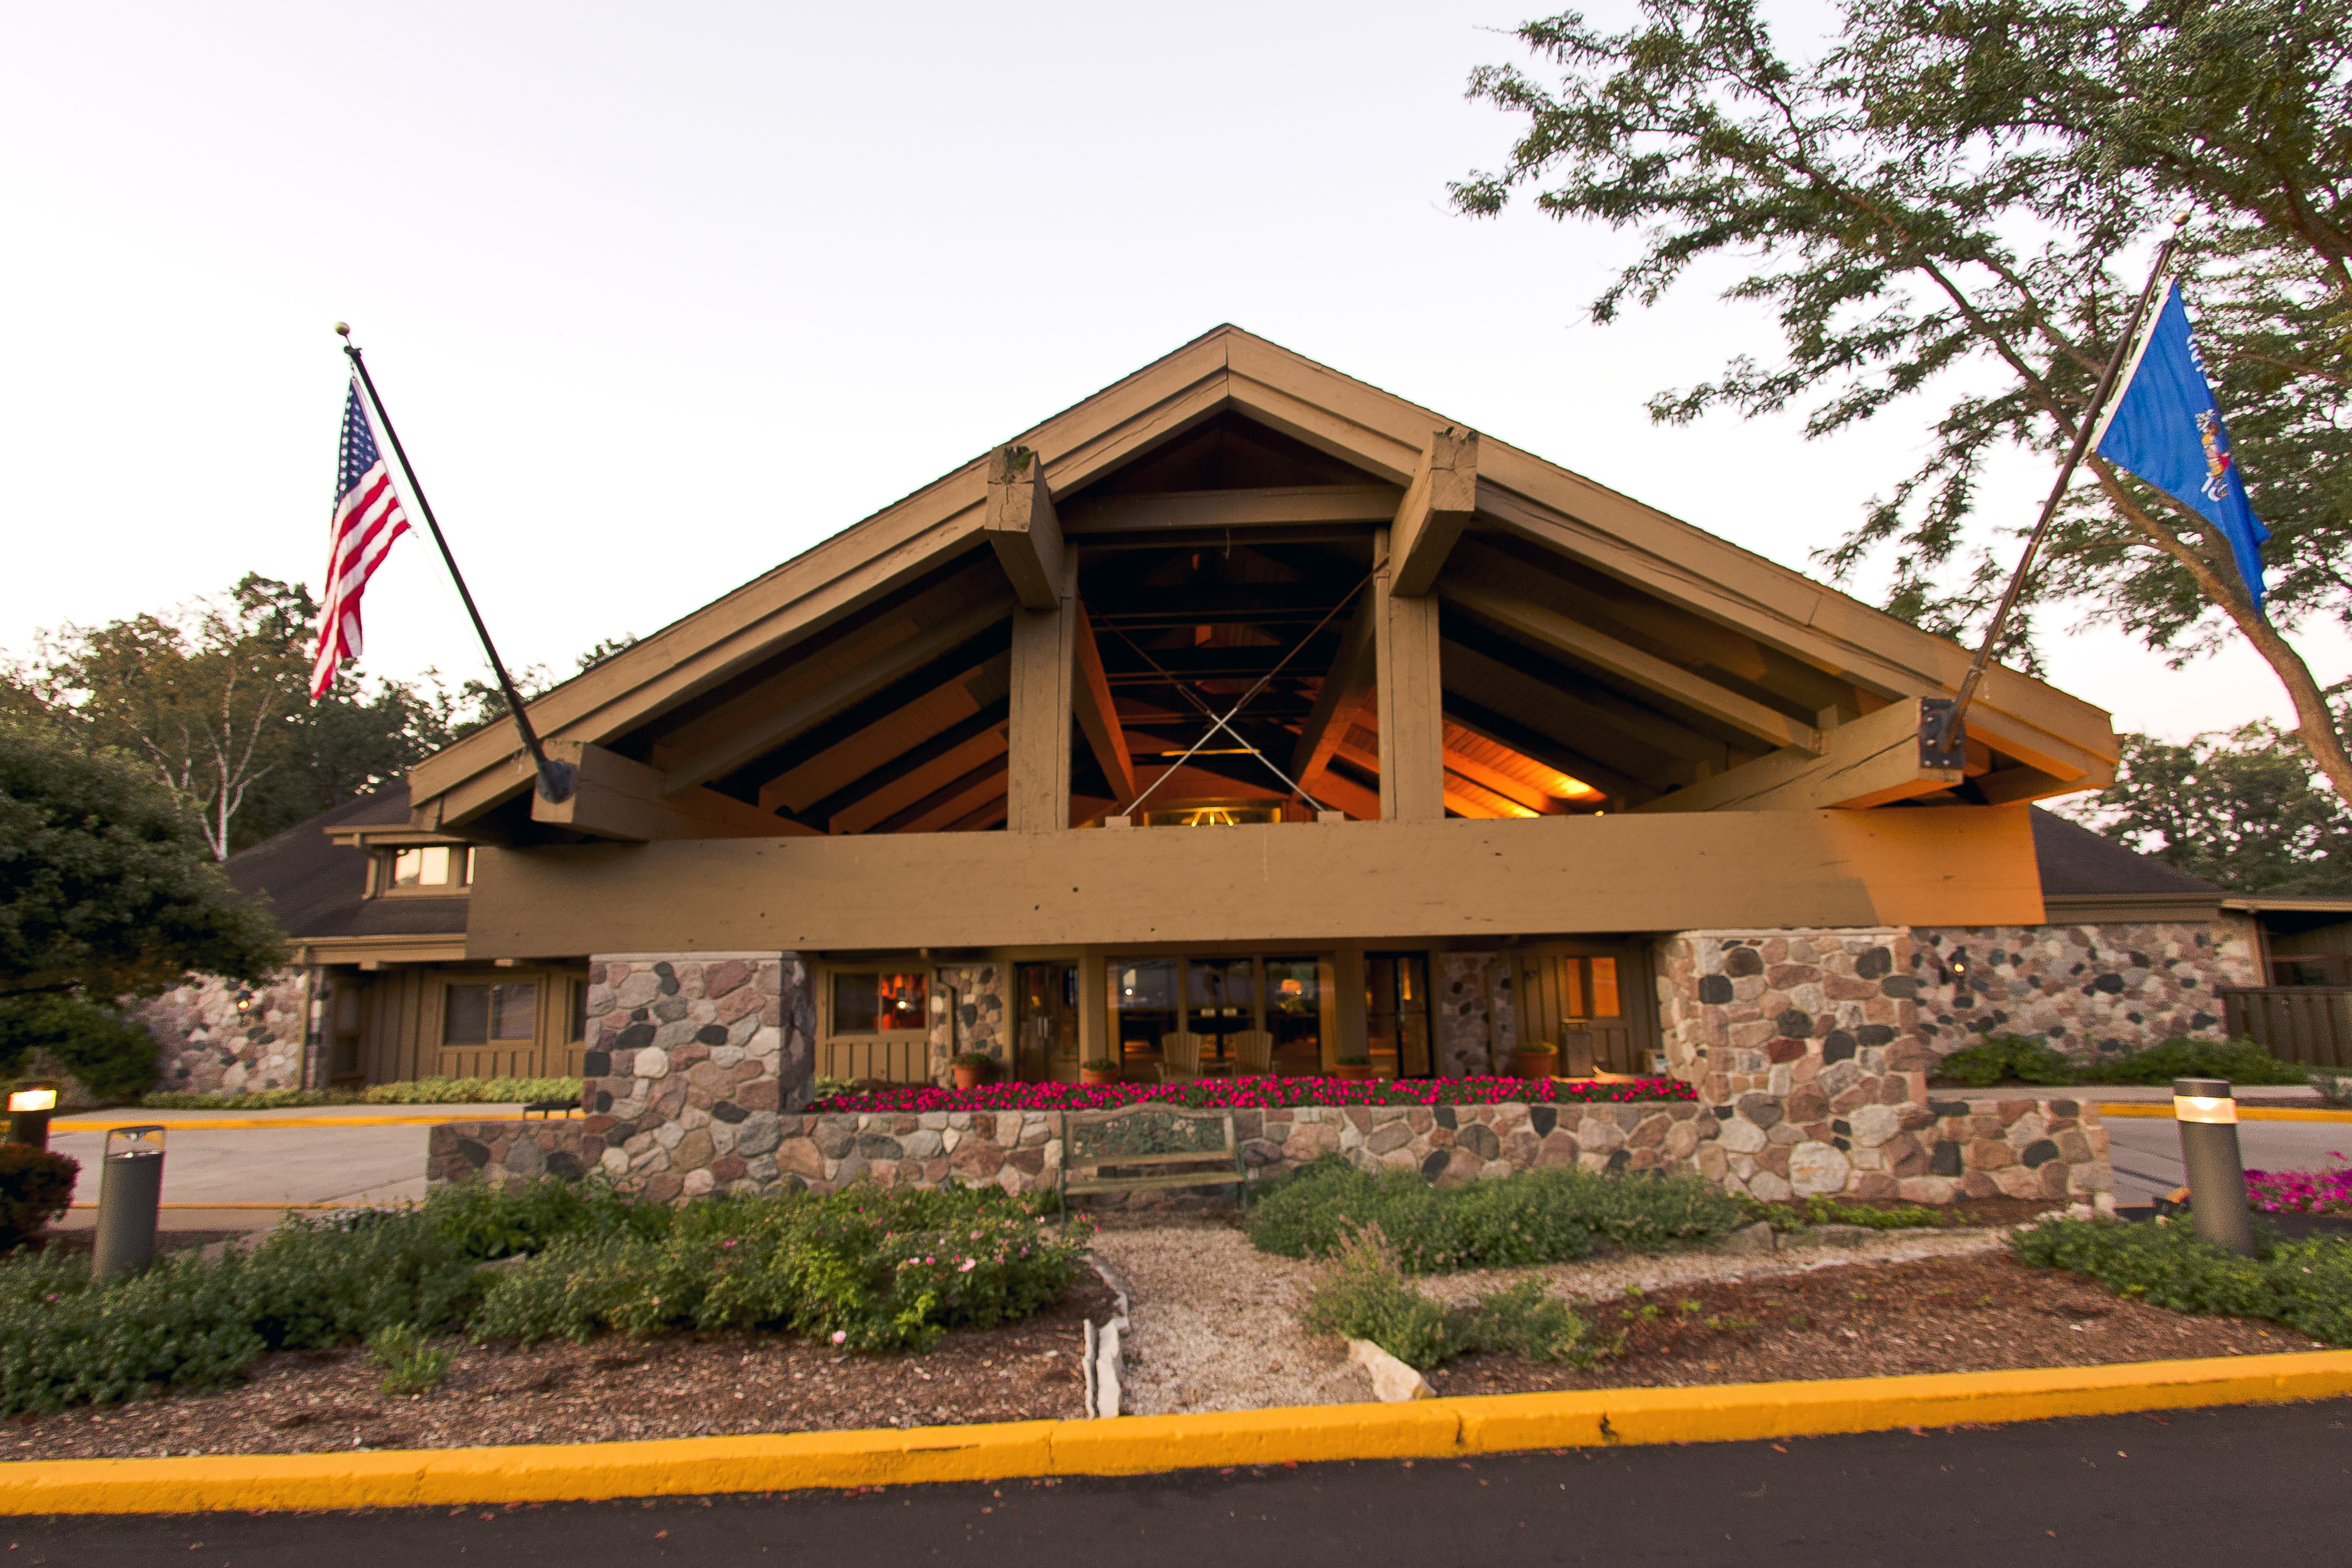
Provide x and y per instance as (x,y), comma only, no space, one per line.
(694,1060)
(968,1015)
(2089,990)
(222,1036)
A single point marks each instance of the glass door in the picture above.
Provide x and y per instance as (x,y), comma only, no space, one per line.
(1295,996)
(1045,1022)
(1576,1001)
(1143,1009)
(1396,1012)
(1220,1001)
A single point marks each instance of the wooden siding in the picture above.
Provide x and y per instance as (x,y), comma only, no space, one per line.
(2307,1024)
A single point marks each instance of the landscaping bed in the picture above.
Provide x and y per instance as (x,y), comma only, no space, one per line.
(1982,1313)
(608,1390)
(1251,1094)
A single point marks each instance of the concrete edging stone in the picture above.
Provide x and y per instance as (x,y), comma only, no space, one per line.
(1432,1428)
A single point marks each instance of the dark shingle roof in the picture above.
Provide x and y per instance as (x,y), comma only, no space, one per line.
(2077,863)
(315,887)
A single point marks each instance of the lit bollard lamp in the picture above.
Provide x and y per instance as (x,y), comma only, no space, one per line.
(2207,1110)
(30,1104)
(130,1196)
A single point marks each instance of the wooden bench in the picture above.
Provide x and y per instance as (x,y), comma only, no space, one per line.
(1152,1139)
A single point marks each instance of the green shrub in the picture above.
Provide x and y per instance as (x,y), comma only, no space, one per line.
(416,1092)
(36,1186)
(1532,1216)
(410,1364)
(1364,1295)
(111,1056)
(865,1268)
(2001,1058)
(486,1222)
(2334,1087)
(2305,1285)
(1819,1210)
(2241,1061)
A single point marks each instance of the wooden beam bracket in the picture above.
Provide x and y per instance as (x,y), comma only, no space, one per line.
(1020,525)
(1878,759)
(1437,507)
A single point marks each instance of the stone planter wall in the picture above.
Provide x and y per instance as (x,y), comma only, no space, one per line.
(693,1062)
(2087,989)
(205,1045)
(1976,1147)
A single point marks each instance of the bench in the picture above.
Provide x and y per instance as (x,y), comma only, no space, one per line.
(1154,1140)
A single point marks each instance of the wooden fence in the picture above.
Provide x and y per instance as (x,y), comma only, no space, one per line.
(2307,1023)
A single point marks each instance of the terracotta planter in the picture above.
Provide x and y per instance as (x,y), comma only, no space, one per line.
(1534,1064)
(970,1077)
(1098,1075)
(1352,1069)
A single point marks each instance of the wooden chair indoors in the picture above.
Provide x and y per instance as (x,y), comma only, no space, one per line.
(1252,1052)
(1180,1056)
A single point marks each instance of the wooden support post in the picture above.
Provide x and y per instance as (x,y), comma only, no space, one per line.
(1353,1024)
(1094,1010)
(1021,526)
(1437,508)
(1411,701)
(1044,660)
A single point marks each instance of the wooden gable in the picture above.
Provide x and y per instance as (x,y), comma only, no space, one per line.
(1425,623)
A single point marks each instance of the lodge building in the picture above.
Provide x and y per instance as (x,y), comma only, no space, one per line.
(1245,717)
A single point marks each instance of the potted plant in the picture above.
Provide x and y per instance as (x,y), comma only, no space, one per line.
(1351,1067)
(1102,1069)
(1540,1060)
(973,1069)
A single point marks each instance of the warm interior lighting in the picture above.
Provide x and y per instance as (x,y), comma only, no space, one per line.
(33,1099)
(1571,789)
(2210,1108)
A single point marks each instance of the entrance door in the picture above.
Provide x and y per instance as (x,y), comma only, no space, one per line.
(1045,1022)
(1590,1002)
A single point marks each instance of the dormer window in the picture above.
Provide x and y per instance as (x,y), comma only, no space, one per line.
(433,869)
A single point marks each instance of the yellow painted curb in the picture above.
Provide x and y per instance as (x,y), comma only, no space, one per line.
(225,1123)
(2149,1108)
(1144,1444)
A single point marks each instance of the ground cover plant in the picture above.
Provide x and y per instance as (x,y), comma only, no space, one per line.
(1365,1296)
(415,1092)
(2020,1058)
(1817,1210)
(1530,1216)
(1256,1093)
(862,1268)
(2305,1285)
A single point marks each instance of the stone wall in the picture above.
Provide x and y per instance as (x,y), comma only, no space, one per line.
(693,1062)
(221,1036)
(1477,1023)
(973,1019)
(2089,990)
(1974,1147)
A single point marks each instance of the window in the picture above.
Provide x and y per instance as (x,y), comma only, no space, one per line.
(428,866)
(880,1004)
(479,1015)
(1143,1004)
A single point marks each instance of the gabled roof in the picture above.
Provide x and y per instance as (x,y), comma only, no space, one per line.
(317,888)
(918,572)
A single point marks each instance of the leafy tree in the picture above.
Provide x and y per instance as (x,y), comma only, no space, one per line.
(1955,197)
(106,885)
(2243,809)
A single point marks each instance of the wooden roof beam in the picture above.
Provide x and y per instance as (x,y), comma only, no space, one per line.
(1669,680)
(1874,761)
(1273,506)
(1347,686)
(618,798)
(1021,526)
(773,729)
(1098,715)
(1437,507)
(1622,788)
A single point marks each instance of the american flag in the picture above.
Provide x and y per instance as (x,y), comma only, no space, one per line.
(368,518)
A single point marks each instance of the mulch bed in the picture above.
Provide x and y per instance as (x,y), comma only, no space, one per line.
(609,1390)
(1945,1314)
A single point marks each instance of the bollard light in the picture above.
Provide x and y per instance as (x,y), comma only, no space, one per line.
(130,1198)
(2207,1112)
(30,1104)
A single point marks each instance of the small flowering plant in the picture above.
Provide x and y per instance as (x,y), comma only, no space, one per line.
(2327,1191)
(1266,1093)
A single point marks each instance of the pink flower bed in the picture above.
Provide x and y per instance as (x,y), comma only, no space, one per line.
(2327,1191)
(1260,1093)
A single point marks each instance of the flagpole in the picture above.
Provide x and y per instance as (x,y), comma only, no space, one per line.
(555,779)
(1952,730)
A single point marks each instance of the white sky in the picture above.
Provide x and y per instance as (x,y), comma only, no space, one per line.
(660,296)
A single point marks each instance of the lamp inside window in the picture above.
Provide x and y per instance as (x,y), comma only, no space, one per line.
(881,1003)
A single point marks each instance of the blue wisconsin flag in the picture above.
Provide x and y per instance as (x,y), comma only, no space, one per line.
(2166,427)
